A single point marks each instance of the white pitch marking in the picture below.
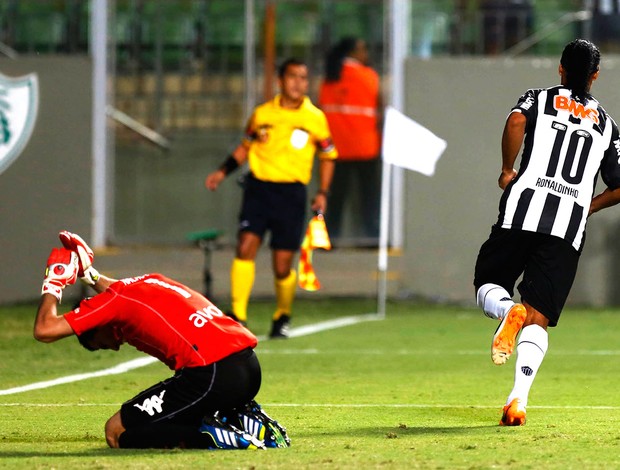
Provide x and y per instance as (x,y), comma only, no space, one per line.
(118,369)
(424,352)
(144,361)
(347,405)
(426,405)
(295,332)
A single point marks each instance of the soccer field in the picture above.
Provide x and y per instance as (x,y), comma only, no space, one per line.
(416,390)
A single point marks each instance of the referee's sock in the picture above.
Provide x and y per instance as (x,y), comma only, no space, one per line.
(242,274)
(531,350)
(285,294)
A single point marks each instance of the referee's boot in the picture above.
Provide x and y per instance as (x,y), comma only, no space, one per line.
(513,414)
(506,334)
(280,328)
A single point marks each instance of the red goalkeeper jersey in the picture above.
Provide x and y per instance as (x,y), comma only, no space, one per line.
(164,319)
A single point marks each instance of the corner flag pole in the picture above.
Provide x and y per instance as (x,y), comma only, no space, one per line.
(397,26)
(382,265)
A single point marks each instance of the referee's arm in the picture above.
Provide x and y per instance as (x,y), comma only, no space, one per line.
(237,158)
(326,174)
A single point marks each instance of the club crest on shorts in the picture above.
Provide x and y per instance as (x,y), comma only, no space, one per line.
(19,104)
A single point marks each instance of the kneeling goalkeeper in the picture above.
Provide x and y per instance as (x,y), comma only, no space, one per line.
(216,370)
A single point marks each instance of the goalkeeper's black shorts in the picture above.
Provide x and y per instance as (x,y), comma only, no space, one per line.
(548,265)
(279,208)
(194,392)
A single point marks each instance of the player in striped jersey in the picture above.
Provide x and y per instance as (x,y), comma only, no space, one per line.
(568,140)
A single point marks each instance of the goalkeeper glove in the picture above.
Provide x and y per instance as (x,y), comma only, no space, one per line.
(71,241)
(61,270)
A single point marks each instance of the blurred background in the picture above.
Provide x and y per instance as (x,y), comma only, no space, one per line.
(171,83)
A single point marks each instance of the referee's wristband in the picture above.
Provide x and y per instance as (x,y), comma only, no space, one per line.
(324,192)
(229,165)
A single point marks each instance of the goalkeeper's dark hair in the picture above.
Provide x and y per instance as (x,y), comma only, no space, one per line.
(86,338)
(336,56)
(580,59)
(287,63)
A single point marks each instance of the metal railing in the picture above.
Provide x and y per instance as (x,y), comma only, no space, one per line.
(138,127)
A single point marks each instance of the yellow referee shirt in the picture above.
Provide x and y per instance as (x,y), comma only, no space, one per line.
(282,142)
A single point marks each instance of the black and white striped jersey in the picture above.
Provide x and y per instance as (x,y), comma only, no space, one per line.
(567,143)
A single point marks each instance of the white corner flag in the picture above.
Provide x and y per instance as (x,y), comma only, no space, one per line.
(410,145)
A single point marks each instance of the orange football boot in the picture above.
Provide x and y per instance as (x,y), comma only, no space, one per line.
(506,334)
(513,414)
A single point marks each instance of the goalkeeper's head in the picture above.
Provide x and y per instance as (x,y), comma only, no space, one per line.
(102,337)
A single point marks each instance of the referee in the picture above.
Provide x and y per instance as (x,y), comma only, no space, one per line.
(568,140)
(281,140)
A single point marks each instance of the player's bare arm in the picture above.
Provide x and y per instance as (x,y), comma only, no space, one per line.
(512,138)
(48,325)
(603,200)
(237,158)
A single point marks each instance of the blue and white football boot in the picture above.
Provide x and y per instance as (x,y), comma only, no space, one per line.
(227,436)
(254,421)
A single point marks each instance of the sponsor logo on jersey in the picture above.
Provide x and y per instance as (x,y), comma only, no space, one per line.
(577,110)
(617,145)
(202,316)
(262,133)
(19,104)
(152,405)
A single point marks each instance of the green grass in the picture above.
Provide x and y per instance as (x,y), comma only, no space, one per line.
(417,390)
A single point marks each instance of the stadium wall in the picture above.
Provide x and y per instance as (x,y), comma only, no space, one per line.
(48,187)
(448,216)
(465,101)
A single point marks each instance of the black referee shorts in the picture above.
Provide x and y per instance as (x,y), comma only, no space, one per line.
(548,265)
(276,207)
(195,392)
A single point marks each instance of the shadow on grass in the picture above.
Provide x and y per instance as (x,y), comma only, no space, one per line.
(405,430)
(102,452)
(435,430)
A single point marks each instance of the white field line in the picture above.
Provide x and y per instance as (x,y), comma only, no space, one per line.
(345,406)
(119,369)
(144,361)
(421,352)
(295,332)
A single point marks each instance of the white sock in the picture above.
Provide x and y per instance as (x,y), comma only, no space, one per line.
(494,300)
(531,349)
